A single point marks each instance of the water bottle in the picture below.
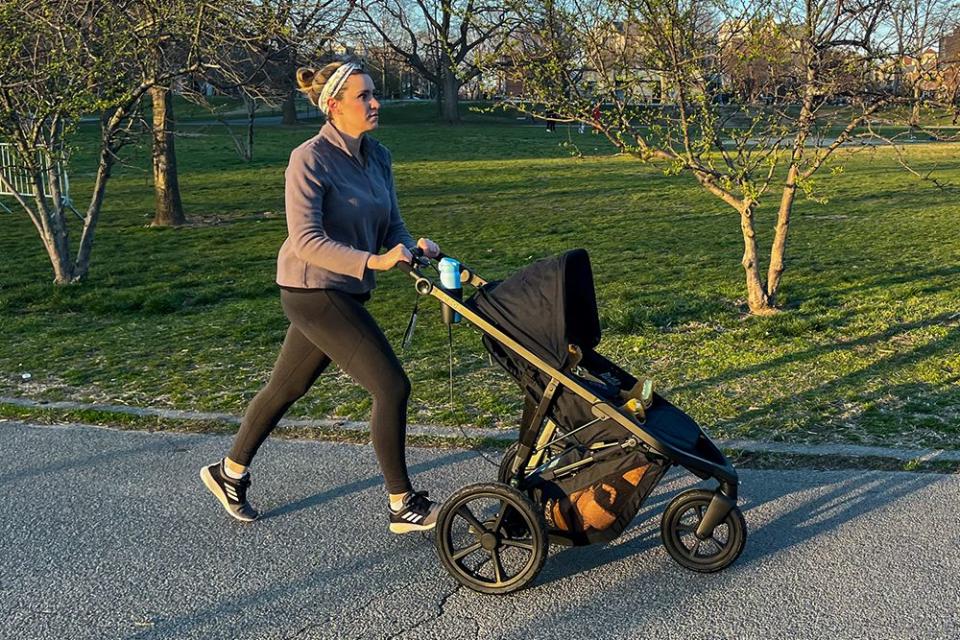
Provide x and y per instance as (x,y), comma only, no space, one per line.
(450,282)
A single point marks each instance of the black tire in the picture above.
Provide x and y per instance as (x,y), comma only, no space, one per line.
(491,538)
(680,520)
(503,474)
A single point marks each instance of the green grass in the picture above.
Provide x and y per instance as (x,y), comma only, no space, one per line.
(867,350)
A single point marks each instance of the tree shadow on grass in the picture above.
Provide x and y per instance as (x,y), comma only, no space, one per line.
(853,381)
(820,350)
(945,277)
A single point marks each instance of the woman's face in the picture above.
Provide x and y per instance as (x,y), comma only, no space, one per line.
(358,111)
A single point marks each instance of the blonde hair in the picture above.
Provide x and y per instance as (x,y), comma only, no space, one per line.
(310,81)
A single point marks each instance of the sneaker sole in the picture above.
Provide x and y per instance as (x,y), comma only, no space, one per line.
(218,493)
(406,527)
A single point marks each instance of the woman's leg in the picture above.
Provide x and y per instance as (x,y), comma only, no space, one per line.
(298,366)
(340,327)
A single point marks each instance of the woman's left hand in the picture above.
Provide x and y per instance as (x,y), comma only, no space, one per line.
(430,248)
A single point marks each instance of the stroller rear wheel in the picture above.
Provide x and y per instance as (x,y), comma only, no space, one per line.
(491,538)
(679,524)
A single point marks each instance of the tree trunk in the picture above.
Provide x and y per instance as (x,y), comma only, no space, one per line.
(438,87)
(290,108)
(451,97)
(243,143)
(779,249)
(166,184)
(915,106)
(104,168)
(53,232)
(756,293)
(251,105)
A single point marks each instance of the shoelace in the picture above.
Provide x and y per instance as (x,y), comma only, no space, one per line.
(419,501)
(241,485)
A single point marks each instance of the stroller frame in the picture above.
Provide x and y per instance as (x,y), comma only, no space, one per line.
(704,460)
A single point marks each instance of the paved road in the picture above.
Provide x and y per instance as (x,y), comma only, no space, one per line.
(107,534)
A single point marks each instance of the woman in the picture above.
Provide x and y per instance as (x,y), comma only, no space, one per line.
(341,209)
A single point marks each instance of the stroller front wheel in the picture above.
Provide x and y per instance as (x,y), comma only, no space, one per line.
(679,524)
(491,538)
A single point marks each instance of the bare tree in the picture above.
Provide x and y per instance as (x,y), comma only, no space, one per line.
(63,60)
(170,44)
(307,27)
(919,26)
(664,70)
(252,63)
(440,38)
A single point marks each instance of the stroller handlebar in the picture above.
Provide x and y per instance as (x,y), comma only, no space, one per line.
(419,260)
(414,268)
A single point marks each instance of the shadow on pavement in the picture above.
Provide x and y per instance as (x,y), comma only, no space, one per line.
(366,483)
(822,514)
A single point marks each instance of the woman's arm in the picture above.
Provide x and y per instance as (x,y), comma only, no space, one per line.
(303,200)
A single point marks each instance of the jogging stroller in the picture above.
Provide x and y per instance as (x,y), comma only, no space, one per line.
(593,440)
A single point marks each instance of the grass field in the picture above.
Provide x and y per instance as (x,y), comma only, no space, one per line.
(867,349)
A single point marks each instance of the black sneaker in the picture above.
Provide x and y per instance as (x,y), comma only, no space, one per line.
(231,493)
(418,513)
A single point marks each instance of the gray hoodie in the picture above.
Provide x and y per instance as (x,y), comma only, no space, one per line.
(339,211)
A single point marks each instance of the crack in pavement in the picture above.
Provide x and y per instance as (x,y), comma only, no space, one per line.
(355,609)
(442,607)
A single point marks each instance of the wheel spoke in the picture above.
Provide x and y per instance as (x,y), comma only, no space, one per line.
(519,544)
(692,553)
(499,519)
(700,512)
(720,544)
(684,529)
(463,553)
(497,566)
(464,512)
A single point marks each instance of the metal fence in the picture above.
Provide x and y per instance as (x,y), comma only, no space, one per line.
(21,181)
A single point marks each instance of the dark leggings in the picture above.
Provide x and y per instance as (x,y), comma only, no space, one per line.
(330,325)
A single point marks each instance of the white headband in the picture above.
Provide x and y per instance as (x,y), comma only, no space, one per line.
(334,84)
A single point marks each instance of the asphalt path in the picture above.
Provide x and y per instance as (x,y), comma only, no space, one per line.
(110,534)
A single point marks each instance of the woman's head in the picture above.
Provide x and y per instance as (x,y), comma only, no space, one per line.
(344,93)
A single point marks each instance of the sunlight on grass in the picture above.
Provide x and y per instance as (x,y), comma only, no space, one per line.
(866,350)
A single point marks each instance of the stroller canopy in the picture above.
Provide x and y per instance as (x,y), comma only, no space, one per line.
(546,306)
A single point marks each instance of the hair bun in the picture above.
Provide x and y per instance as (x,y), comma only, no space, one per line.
(305,77)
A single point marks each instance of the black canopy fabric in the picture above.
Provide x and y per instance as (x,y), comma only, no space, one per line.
(545,306)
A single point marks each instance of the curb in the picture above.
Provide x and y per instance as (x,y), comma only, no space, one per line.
(505,435)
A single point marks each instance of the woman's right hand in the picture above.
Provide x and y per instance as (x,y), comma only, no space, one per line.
(390,259)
